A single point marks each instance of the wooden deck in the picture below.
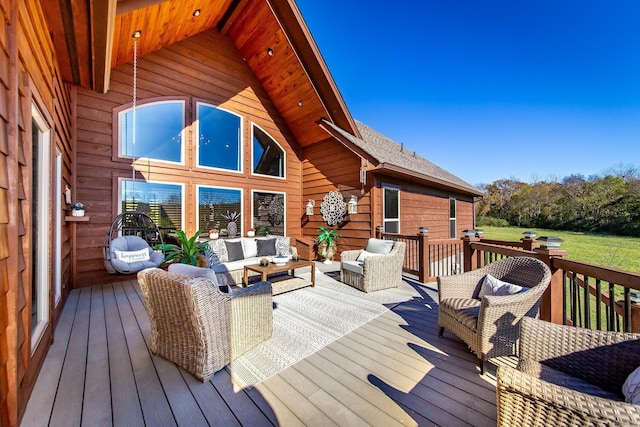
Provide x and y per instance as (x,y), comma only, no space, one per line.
(394,370)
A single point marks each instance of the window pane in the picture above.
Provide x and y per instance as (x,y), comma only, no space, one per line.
(268,212)
(218,138)
(213,203)
(452,208)
(268,157)
(162,202)
(158,131)
(391,198)
(392,226)
(452,229)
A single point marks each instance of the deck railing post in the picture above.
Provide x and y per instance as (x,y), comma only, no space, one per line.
(423,256)
(468,253)
(553,297)
(528,243)
(379,231)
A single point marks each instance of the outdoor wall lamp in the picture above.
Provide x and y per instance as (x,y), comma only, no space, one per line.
(352,206)
(309,208)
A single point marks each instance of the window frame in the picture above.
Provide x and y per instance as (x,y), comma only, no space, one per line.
(385,220)
(284,201)
(196,133)
(197,203)
(121,110)
(182,186)
(284,155)
(453,220)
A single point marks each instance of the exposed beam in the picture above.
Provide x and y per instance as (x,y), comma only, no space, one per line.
(104,21)
(125,6)
(230,15)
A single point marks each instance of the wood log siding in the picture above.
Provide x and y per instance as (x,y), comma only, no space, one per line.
(205,68)
(29,74)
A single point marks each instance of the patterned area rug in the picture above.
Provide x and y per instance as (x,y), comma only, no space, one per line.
(304,321)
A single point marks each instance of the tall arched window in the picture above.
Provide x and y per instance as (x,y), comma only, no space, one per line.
(219,138)
(268,157)
(159,131)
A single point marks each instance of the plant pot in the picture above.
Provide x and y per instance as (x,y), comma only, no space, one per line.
(251,233)
(77,212)
(326,252)
(213,236)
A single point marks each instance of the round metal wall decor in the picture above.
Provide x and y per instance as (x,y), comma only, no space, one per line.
(333,208)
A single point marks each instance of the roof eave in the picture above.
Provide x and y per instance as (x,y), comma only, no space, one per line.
(398,171)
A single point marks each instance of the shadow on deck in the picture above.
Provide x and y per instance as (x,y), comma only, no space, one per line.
(394,370)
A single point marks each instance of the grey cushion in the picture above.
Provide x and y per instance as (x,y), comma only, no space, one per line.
(353,266)
(495,287)
(193,271)
(133,243)
(464,310)
(266,247)
(379,246)
(234,250)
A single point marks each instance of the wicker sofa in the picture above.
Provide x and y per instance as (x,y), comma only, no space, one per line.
(197,326)
(374,272)
(490,326)
(568,376)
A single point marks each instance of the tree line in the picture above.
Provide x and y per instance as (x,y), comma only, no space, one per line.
(604,203)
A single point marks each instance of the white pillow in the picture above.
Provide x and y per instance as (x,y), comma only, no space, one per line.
(493,286)
(133,256)
(631,387)
(364,255)
(249,247)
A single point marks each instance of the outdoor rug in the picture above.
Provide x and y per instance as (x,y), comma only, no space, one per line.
(304,321)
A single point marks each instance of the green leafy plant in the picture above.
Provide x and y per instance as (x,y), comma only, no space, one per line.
(326,242)
(263,230)
(187,252)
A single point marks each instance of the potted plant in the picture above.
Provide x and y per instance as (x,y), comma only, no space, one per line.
(189,251)
(326,243)
(77,209)
(251,232)
(264,230)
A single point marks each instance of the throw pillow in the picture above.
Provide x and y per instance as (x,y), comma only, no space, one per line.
(234,250)
(133,256)
(379,246)
(282,245)
(219,249)
(266,247)
(249,247)
(493,286)
(631,387)
(364,255)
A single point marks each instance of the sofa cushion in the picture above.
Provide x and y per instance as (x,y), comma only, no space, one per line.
(492,286)
(249,247)
(219,249)
(266,247)
(464,310)
(559,378)
(353,266)
(234,250)
(379,246)
(282,245)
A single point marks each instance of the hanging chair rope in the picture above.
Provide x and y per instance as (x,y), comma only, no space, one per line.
(133,113)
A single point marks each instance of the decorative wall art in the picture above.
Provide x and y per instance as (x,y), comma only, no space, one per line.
(333,208)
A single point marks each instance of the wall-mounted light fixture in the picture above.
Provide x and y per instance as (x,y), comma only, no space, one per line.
(309,208)
(352,206)
(137,34)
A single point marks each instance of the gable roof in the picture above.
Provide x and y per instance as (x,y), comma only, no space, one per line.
(394,159)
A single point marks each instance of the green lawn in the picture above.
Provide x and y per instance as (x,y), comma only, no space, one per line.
(611,251)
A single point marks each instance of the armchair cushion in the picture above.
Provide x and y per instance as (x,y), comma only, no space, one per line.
(379,246)
(496,287)
(353,266)
(364,254)
(464,310)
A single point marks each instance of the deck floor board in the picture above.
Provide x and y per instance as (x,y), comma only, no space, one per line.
(393,370)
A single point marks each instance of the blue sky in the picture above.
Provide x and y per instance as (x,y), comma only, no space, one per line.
(488,90)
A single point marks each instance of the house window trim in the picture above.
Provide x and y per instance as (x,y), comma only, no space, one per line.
(197,205)
(384,218)
(284,159)
(454,218)
(182,186)
(284,201)
(117,155)
(196,132)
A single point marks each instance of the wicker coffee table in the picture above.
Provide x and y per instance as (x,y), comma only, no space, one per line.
(272,268)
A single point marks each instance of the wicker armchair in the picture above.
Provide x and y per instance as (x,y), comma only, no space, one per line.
(490,327)
(594,362)
(375,272)
(200,328)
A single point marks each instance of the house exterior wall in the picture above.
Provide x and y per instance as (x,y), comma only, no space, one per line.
(423,206)
(206,68)
(29,76)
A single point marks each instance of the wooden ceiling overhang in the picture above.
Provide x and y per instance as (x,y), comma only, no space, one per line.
(92,37)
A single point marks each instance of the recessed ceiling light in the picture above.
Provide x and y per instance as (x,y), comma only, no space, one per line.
(137,34)
(196,12)
(270,52)
(300,103)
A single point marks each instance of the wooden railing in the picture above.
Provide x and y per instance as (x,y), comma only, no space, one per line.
(427,258)
(582,294)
